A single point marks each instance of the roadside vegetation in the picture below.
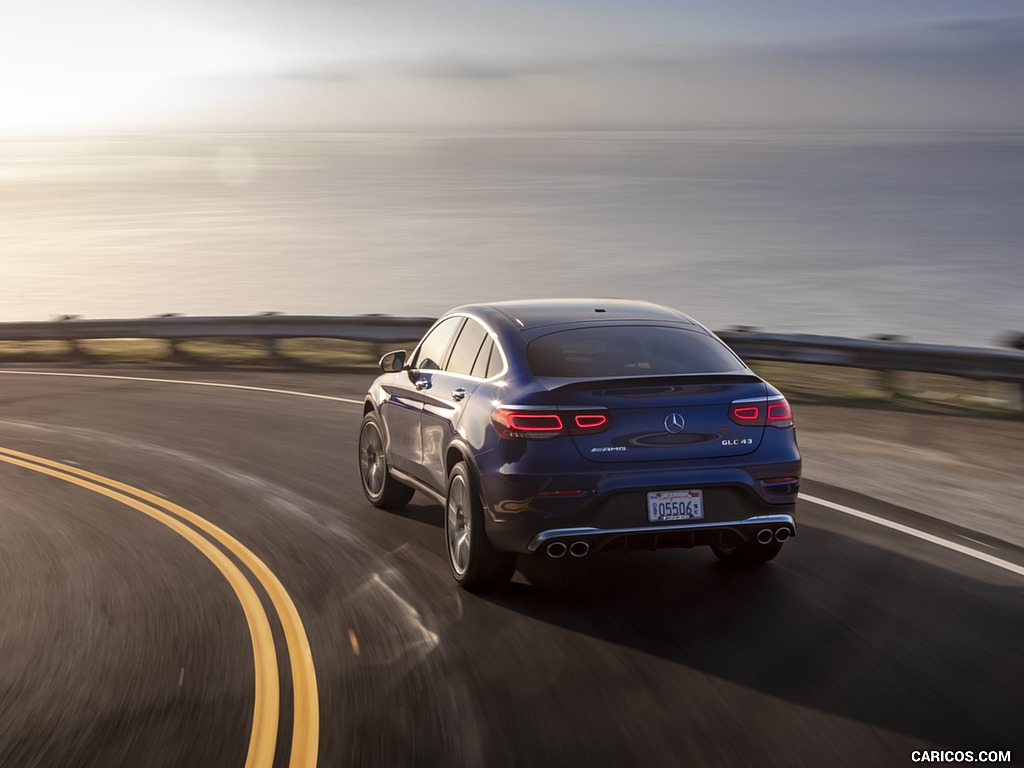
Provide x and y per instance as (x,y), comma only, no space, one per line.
(315,353)
(853,386)
(800,382)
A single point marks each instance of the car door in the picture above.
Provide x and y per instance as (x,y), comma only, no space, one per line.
(405,394)
(445,400)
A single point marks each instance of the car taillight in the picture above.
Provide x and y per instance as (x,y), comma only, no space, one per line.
(587,422)
(529,423)
(590,421)
(772,412)
(535,424)
(779,413)
(747,414)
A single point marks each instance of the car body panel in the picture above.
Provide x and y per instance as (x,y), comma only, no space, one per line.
(443,407)
(400,405)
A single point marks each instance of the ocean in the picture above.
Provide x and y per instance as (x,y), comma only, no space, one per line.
(853,233)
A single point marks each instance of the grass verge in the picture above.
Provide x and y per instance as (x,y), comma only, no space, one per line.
(800,382)
(316,353)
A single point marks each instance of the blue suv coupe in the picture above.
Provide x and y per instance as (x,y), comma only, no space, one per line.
(570,426)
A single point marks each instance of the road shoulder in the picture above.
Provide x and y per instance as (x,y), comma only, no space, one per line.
(961,470)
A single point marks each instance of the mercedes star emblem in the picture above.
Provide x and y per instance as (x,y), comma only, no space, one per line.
(674,423)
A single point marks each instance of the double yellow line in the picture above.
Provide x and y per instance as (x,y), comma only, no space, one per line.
(266,709)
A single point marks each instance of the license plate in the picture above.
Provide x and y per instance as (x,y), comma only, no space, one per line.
(674,505)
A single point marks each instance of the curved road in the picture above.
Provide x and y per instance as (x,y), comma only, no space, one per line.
(191,577)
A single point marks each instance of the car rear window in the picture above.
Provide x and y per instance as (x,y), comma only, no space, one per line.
(608,352)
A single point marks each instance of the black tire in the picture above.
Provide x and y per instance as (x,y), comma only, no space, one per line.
(379,485)
(747,552)
(474,563)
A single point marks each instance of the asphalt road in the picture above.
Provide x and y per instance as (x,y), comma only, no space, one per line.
(169,553)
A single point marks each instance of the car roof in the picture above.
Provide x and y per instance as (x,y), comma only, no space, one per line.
(537,313)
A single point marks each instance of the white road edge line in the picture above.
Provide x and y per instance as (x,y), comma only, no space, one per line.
(985,558)
(975,541)
(185,381)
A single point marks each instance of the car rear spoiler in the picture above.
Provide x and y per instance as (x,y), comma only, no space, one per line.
(644,382)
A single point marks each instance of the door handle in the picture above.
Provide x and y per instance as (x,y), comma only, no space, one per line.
(423,383)
(459,394)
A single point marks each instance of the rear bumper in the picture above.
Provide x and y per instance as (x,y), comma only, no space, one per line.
(664,536)
(733,510)
(532,500)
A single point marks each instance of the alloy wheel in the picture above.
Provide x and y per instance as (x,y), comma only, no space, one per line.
(371,460)
(458,530)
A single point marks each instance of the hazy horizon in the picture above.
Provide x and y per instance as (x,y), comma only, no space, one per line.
(225,65)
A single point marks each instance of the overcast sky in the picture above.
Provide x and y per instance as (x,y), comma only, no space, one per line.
(319,64)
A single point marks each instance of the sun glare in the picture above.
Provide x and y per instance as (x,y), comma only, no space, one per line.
(73,68)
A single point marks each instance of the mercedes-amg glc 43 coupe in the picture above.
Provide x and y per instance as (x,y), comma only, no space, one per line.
(570,427)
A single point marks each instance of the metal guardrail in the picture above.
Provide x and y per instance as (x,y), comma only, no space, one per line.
(985,363)
(980,363)
(379,328)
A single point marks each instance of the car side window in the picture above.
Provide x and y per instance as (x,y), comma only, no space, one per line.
(482,359)
(494,364)
(467,346)
(430,354)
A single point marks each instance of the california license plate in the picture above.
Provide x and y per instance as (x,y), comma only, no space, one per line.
(674,505)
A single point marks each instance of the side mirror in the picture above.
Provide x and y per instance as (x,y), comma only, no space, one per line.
(393,362)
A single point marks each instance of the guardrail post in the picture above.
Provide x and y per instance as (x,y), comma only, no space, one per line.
(272,343)
(273,350)
(75,348)
(173,347)
(1016,391)
(888,381)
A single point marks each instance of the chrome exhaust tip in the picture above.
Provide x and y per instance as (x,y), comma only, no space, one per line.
(579,549)
(765,536)
(556,549)
(782,535)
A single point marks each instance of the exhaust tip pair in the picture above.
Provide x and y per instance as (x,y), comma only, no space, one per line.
(557,549)
(765,535)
